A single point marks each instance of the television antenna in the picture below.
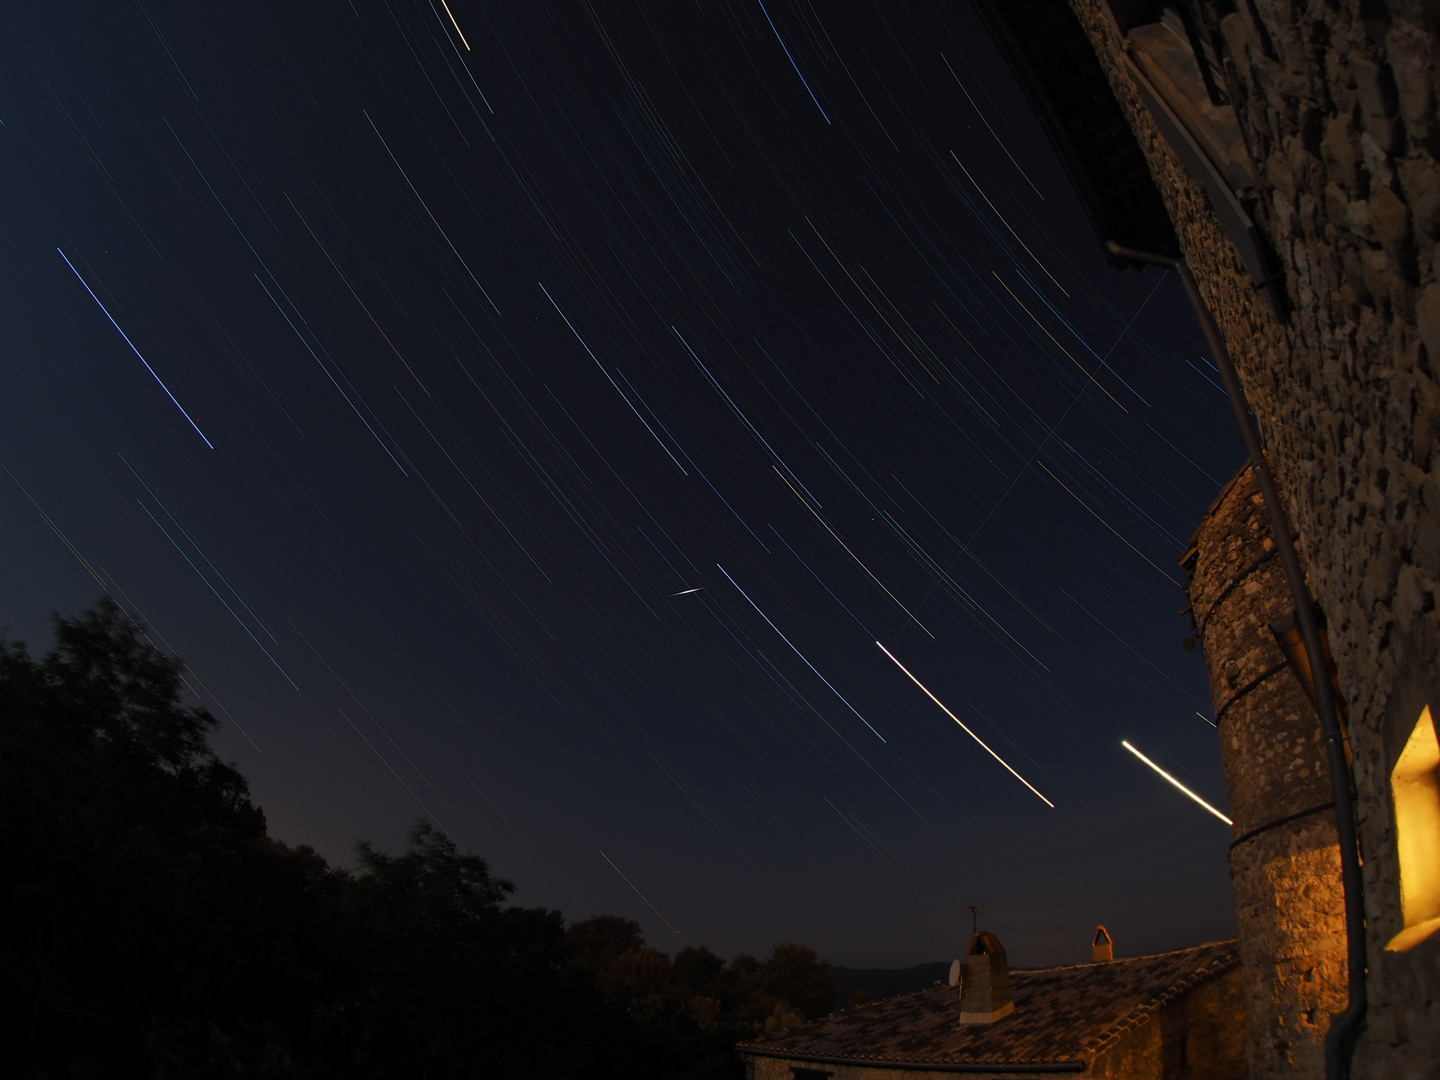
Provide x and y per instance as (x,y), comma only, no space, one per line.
(977,907)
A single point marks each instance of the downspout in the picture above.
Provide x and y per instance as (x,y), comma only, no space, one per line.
(1344,1026)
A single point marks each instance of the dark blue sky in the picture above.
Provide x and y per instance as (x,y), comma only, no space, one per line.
(503,341)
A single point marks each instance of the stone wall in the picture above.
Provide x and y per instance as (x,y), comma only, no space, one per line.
(1201,1039)
(1285,860)
(1196,1036)
(1337,104)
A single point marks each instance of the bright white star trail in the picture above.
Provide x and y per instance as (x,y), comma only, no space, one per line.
(984,745)
(1126,744)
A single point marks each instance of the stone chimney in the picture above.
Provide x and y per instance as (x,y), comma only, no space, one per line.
(1102,949)
(985,992)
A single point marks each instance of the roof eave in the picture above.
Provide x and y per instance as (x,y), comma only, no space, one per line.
(1073,1066)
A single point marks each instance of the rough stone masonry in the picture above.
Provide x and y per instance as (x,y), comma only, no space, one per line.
(1285,858)
(1337,104)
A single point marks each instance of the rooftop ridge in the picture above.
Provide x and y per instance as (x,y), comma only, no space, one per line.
(1123,959)
(1063,1004)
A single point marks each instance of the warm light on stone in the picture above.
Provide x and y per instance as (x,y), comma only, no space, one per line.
(1285,861)
(1415,787)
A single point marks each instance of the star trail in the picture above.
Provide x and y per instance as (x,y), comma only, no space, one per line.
(586,389)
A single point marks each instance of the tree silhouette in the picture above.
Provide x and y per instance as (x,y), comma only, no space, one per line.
(156,930)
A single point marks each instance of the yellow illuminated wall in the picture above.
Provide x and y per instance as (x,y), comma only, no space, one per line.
(1415,787)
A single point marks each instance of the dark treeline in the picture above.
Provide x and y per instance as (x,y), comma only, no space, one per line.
(152,928)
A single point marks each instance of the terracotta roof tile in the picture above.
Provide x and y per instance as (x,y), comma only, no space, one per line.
(1062,1014)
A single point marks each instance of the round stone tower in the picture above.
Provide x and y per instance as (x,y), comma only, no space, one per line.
(1285,860)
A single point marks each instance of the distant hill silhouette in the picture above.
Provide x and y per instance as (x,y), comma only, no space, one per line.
(888,982)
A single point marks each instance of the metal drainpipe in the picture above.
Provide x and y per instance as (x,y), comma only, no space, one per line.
(1344,1026)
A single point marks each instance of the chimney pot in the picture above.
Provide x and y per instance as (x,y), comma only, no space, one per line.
(1102,949)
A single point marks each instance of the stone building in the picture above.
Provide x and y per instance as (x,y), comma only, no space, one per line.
(1285,858)
(1292,150)
(1175,1014)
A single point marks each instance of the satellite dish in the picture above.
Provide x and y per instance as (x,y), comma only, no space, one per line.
(954,972)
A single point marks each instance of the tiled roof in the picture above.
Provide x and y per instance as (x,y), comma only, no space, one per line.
(1062,1014)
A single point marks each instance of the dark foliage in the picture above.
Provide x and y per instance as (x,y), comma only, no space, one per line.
(155,930)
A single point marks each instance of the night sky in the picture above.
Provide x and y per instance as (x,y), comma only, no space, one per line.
(528,416)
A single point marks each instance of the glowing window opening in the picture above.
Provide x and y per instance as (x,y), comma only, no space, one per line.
(1415,789)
